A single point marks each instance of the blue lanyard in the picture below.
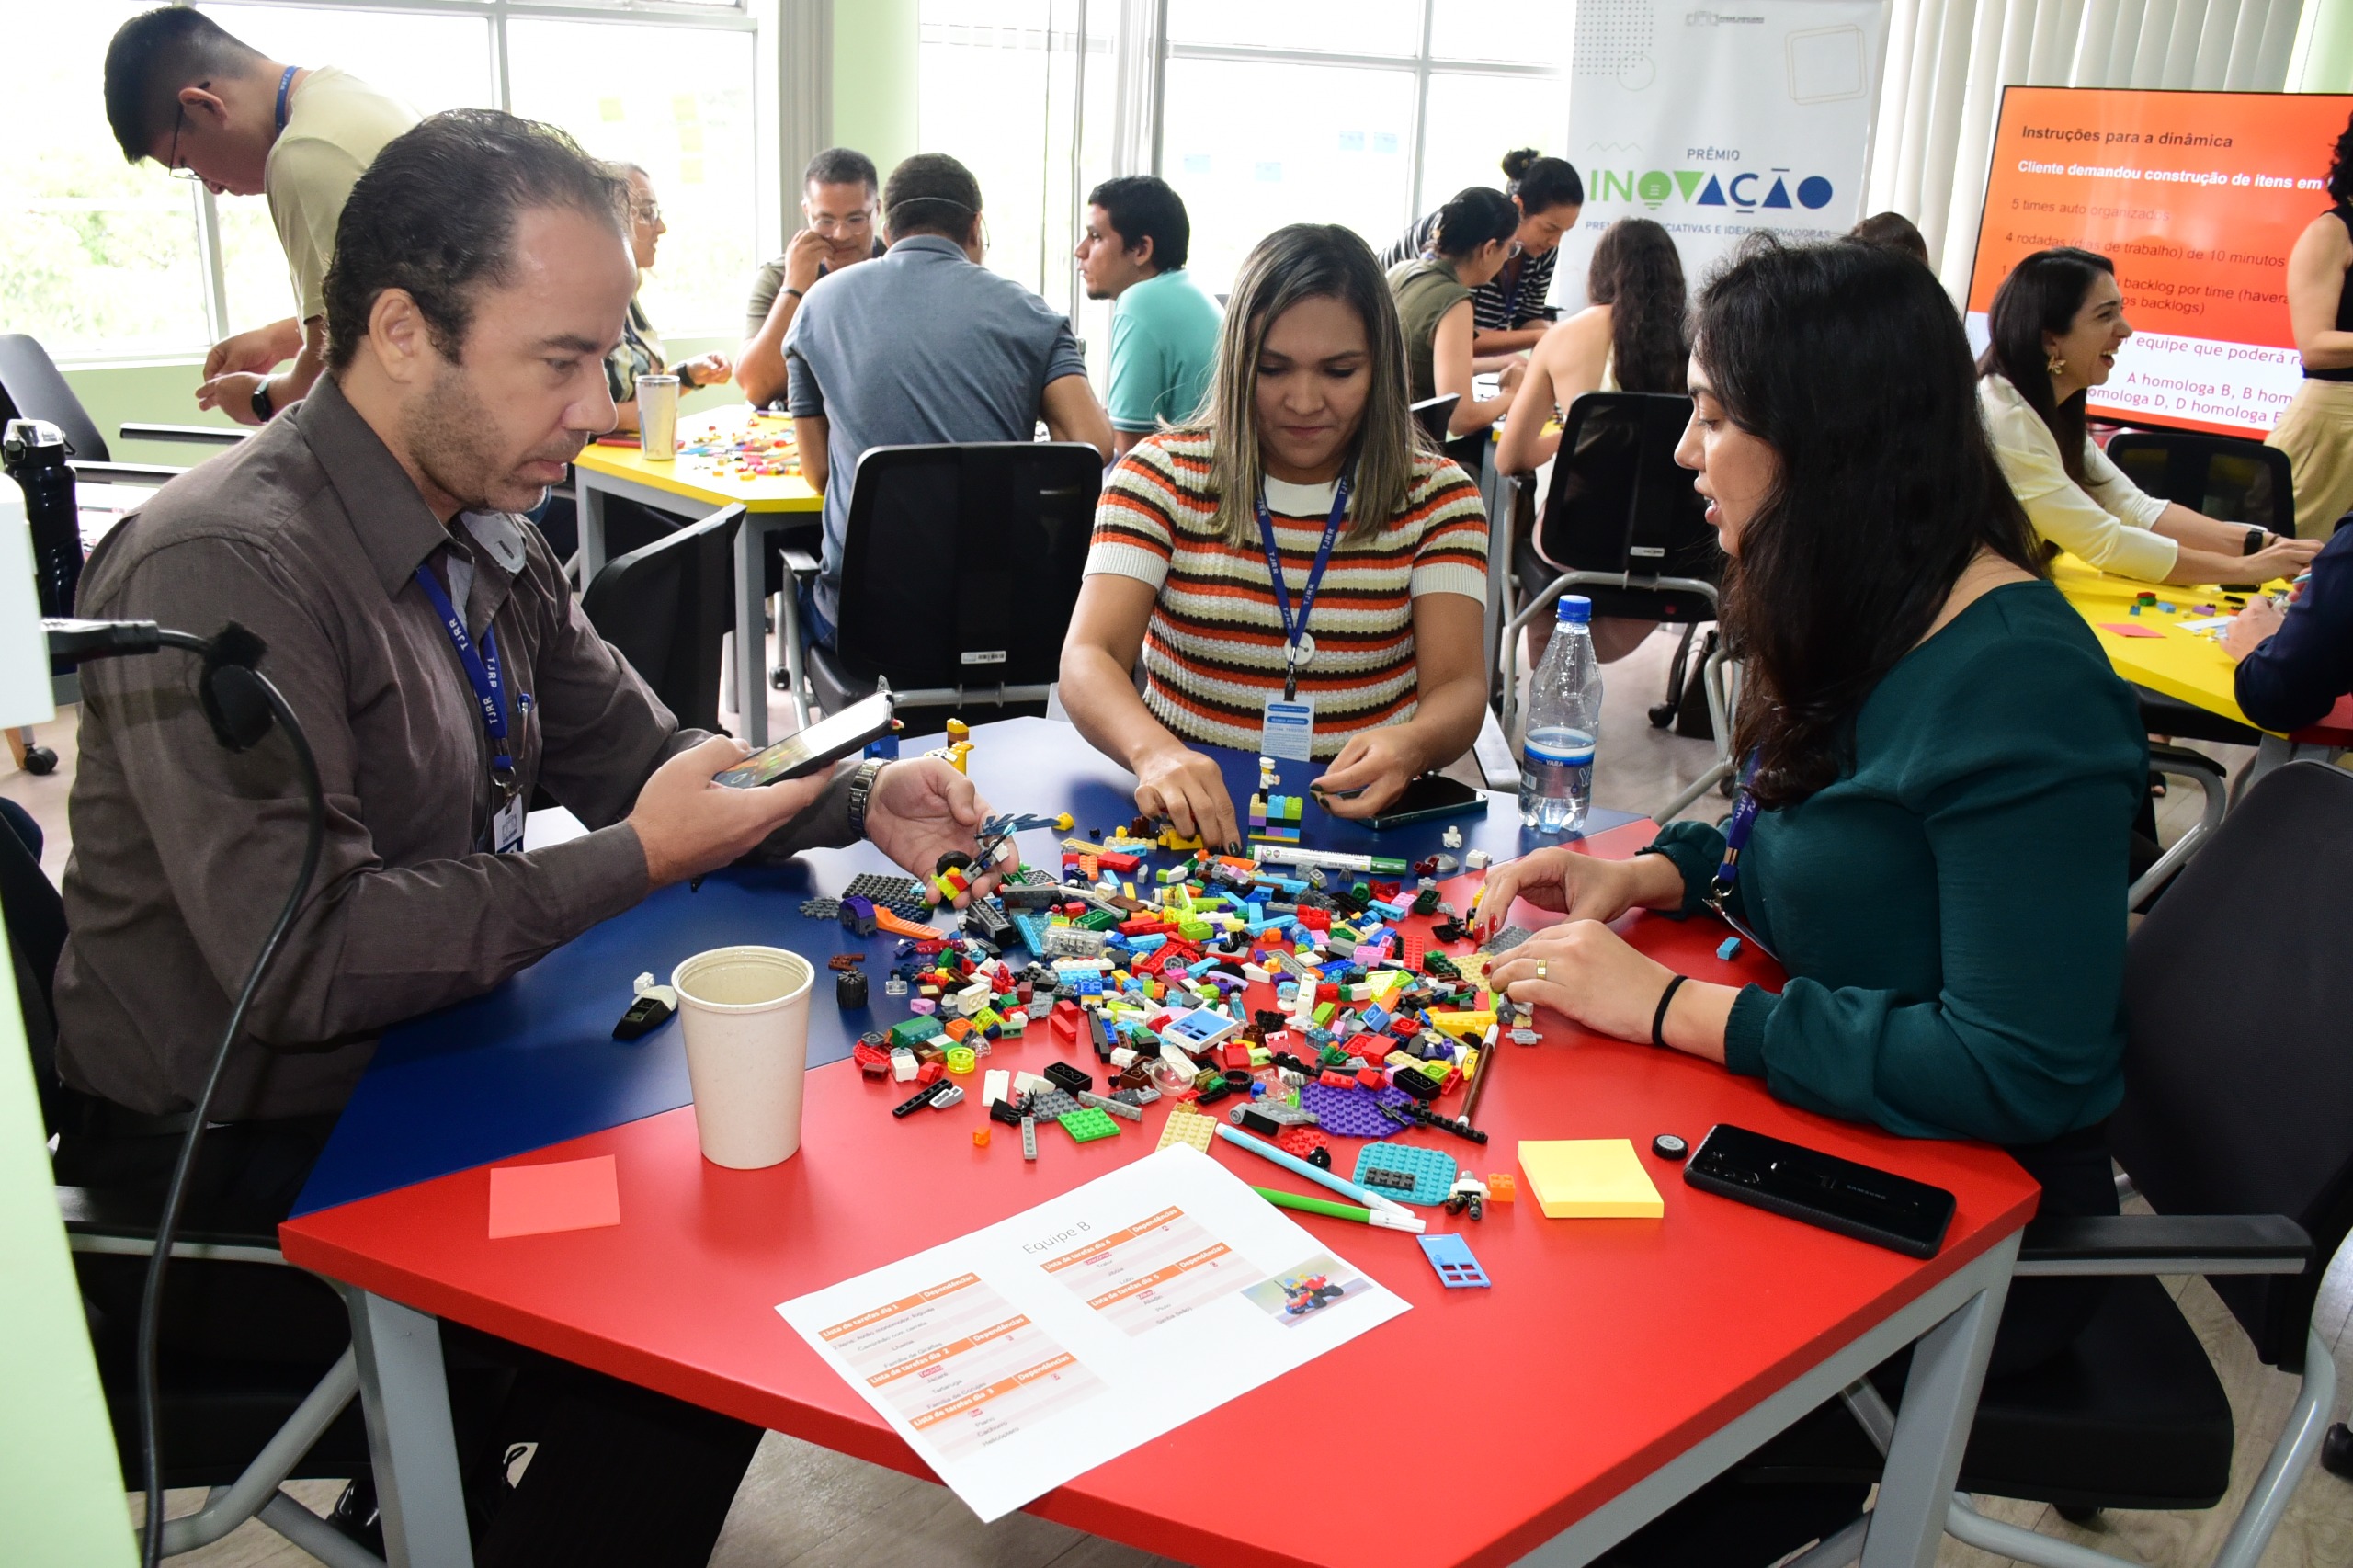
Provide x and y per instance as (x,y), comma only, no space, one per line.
(482,673)
(1512,298)
(1294,635)
(1737,832)
(285,83)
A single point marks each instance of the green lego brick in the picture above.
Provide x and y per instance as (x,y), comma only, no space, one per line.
(1097,920)
(1086,1125)
(914,1030)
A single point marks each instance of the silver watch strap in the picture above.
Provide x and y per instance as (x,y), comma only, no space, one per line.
(861,790)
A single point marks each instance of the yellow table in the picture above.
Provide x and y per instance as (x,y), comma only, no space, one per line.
(2190,666)
(699,484)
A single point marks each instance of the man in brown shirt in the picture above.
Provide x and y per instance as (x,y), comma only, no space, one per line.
(480,278)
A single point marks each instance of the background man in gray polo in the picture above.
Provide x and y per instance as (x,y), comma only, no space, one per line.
(923,346)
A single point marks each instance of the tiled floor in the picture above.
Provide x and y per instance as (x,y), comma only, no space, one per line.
(808,1507)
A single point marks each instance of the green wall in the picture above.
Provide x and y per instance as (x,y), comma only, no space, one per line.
(875,46)
(2328,65)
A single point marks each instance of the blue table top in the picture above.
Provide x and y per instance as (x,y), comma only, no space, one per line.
(534,1062)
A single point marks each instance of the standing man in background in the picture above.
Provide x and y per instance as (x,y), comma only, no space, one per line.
(181,90)
(839,191)
(1164,329)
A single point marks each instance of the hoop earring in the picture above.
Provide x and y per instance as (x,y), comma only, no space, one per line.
(2055,366)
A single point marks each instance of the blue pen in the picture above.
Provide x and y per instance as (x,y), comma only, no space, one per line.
(1260,1147)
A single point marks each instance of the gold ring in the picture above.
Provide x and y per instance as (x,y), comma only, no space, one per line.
(1539,968)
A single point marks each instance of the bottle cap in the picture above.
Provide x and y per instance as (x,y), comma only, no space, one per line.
(1573,609)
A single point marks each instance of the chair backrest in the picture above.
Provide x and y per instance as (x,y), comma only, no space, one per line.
(666,606)
(1434,414)
(1618,501)
(35,919)
(963,561)
(2223,476)
(2238,1068)
(31,388)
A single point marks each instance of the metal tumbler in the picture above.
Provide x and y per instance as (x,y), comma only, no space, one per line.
(657,416)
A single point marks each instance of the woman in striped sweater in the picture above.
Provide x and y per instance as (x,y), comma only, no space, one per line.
(1304,450)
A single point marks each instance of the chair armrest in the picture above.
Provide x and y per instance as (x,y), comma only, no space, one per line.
(2165,1244)
(2181,759)
(800,562)
(100,1221)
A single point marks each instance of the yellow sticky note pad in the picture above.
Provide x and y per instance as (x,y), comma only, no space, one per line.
(1591,1178)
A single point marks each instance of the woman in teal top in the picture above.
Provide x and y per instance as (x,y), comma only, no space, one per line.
(1947,770)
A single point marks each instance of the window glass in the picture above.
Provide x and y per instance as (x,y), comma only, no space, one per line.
(1473,120)
(679,102)
(430,62)
(1348,27)
(1474,30)
(1253,146)
(101,256)
(983,99)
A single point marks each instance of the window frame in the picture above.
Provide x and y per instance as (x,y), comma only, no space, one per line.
(757,18)
(1422,64)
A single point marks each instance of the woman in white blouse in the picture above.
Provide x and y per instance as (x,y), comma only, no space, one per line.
(2056,325)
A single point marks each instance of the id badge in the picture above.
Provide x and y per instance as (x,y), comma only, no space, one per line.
(1290,729)
(506,827)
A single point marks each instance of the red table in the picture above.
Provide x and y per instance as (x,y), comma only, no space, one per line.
(1614,1365)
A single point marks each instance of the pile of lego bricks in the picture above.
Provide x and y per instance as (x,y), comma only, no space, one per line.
(761,451)
(1316,1003)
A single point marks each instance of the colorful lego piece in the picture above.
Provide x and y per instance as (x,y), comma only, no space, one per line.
(1087,1124)
(1450,1256)
(1187,1127)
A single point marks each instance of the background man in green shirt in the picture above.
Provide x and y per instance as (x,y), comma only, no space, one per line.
(1164,329)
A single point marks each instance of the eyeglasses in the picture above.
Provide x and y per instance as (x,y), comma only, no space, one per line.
(646,211)
(172,165)
(828,225)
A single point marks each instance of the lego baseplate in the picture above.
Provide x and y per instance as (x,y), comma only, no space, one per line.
(1352,1113)
(1087,1124)
(1187,1127)
(903,897)
(1430,1171)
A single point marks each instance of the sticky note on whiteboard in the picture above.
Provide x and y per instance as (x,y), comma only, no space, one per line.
(1589,1178)
(1826,64)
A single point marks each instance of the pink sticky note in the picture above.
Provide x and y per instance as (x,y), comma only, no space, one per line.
(2126,628)
(570,1195)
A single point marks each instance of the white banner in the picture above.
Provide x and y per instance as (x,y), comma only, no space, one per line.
(1718,120)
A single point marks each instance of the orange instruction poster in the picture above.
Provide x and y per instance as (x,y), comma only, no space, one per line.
(2196,198)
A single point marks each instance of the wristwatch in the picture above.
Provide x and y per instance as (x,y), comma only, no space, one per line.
(261,403)
(861,790)
(2256,540)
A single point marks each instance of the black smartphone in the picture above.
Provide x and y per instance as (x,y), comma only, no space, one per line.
(805,751)
(1426,797)
(1861,1202)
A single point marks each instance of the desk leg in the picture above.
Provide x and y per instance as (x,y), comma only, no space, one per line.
(1940,1404)
(405,1395)
(590,495)
(751,640)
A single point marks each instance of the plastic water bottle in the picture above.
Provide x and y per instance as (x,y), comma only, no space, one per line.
(1564,722)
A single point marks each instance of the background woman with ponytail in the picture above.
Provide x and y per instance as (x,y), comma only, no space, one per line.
(1509,307)
(2056,323)
(1435,307)
(2317,430)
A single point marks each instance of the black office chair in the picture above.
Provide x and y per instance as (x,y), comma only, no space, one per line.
(32,388)
(1433,414)
(2227,478)
(1622,525)
(959,573)
(667,606)
(2238,1127)
(227,1420)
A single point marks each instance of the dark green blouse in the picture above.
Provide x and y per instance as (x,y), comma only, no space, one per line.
(1951,911)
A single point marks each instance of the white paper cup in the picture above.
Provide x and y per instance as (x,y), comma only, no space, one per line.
(745,1013)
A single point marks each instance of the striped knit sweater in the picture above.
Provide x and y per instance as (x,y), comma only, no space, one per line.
(1213,650)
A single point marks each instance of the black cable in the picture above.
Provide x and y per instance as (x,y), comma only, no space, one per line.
(230,687)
